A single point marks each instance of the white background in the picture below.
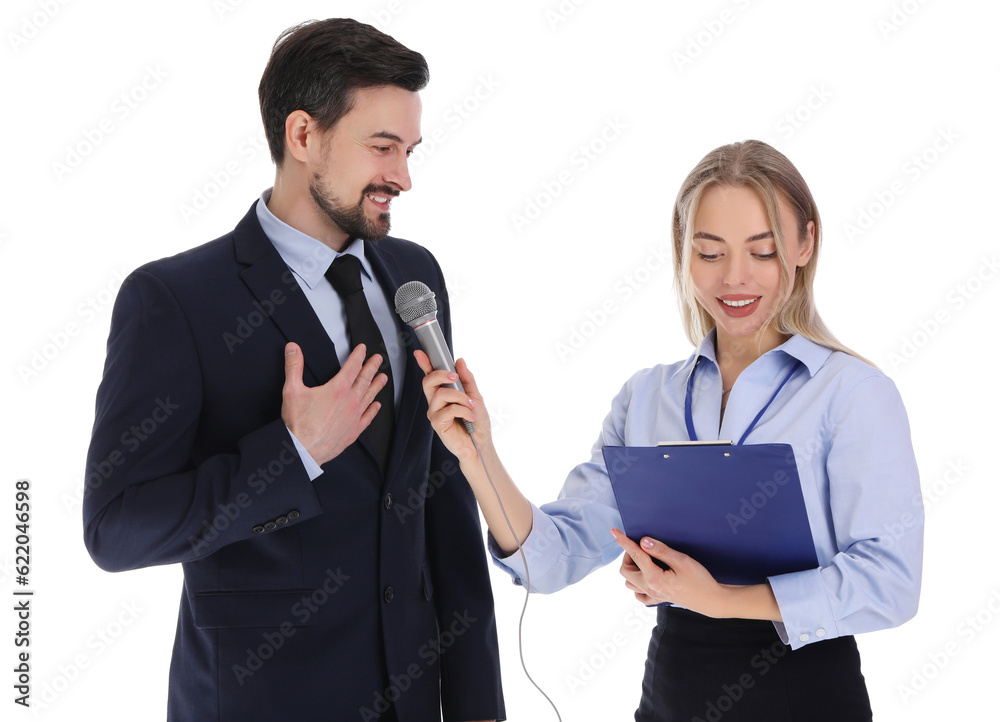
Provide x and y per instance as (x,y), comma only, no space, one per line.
(850,91)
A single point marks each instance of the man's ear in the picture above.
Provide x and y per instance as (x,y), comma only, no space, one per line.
(300,132)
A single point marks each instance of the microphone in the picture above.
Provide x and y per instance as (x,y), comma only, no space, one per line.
(415,304)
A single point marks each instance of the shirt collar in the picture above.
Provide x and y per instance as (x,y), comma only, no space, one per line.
(811,354)
(303,254)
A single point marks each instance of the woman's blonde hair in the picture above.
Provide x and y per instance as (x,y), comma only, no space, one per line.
(755,165)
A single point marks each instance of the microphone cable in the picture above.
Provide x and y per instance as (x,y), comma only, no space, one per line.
(527,574)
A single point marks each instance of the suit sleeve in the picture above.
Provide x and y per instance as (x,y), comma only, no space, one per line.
(146,500)
(470,667)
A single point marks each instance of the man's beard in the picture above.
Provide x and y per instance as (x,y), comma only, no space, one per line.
(352,220)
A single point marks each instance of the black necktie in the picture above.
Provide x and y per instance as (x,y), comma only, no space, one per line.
(345,275)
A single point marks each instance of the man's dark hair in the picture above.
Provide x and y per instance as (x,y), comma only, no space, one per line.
(317,66)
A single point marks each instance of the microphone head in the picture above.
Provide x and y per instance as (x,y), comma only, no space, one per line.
(415,302)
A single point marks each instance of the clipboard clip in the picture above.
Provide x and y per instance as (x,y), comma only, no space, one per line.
(718,442)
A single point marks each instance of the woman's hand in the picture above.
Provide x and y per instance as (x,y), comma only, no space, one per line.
(500,498)
(447,407)
(690,585)
(686,583)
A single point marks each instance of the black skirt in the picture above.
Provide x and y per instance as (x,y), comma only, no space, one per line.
(738,670)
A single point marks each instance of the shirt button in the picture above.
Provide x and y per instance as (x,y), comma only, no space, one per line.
(270,525)
(388,594)
(820,632)
(258,529)
(388,501)
(803,637)
(281,520)
(292,515)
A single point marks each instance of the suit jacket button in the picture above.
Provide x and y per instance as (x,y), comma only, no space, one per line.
(269,525)
(281,520)
(388,594)
(292,515)
(388,501)
(258,529)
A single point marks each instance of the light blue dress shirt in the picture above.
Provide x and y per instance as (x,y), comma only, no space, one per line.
(308,259)
(847,425)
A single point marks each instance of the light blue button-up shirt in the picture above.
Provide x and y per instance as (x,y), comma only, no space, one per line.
(847,425)
(308,259)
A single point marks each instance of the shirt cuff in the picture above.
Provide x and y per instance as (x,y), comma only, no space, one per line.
(539,549)
(805,612)
(312,468)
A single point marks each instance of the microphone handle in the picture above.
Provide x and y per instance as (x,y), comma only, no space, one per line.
(437,351)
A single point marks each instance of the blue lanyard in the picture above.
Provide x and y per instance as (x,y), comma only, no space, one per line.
(689,419)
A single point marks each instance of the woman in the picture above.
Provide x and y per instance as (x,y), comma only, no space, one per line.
(746,235)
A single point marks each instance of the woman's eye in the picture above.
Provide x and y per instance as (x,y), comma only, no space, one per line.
(708,256)
(766,256)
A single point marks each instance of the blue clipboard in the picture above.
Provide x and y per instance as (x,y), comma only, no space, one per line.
(737,509)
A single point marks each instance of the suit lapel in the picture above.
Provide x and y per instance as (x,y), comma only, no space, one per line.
(273,285)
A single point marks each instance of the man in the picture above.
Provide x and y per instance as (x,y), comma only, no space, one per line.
(333,559)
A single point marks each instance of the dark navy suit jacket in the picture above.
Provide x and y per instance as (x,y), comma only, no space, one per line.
(313,600)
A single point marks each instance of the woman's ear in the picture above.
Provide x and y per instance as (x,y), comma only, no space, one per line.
(807,245)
